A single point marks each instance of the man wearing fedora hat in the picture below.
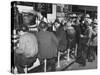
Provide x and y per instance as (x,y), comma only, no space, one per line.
(84,42)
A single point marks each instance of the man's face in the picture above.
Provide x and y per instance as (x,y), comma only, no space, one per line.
(57,25)
(74,19)
(86,18)
(20,32)
(86,23)
(27,19)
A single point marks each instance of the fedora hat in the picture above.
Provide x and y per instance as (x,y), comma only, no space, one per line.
(87,16)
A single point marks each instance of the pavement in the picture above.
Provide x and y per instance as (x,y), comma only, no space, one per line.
(66,65)
(89,65)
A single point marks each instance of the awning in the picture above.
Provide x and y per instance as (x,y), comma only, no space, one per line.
(88,8)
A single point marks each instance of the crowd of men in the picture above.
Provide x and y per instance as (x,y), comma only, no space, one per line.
(76,35)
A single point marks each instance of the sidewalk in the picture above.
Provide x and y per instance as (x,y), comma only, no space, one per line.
(89,65)
(64,64)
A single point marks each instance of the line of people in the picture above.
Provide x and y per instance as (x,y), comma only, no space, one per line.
(75,35)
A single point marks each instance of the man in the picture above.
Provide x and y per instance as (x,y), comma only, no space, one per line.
(26,53)
(93,42)
(71,38)
(41,17)
(47,45)
(84,44)
(61,35)
(29,19)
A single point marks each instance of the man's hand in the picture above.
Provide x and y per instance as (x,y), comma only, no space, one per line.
(19,51)
(81,35)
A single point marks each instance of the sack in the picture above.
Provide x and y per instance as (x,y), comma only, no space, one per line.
(37,63)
